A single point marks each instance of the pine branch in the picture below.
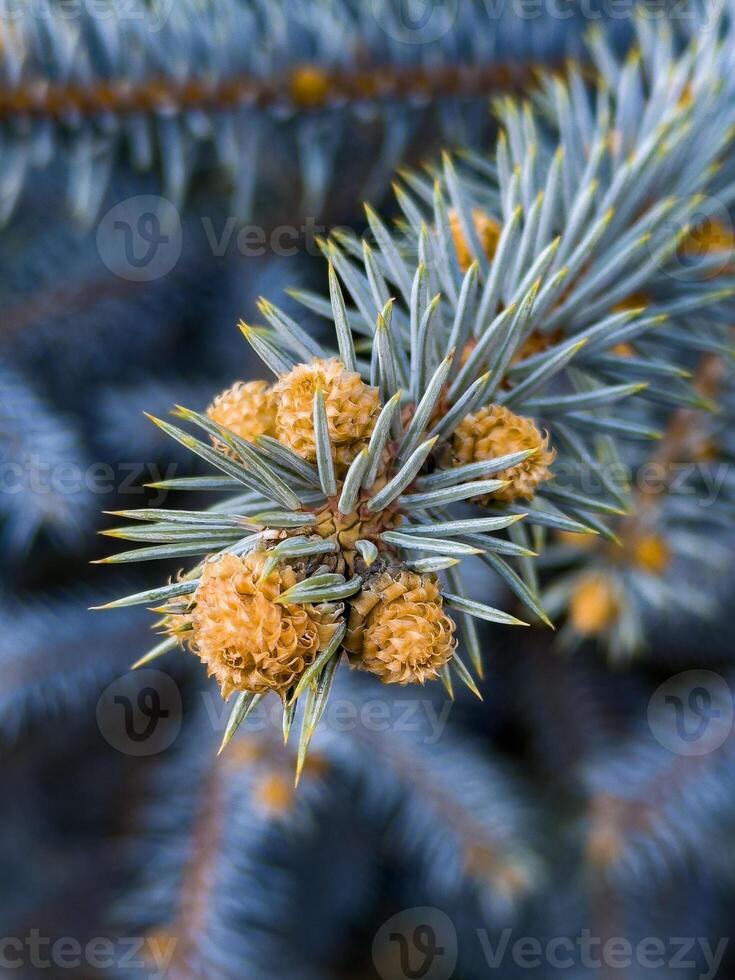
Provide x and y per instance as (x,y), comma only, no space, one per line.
(230,854)
(43,465)
(55,661)
(246,78)
(654,808)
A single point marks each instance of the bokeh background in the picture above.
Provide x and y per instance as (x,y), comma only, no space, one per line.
(149,198)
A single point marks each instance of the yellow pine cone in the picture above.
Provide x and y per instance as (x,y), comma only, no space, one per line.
(247,640)
(352,408)
(486,229)
(623,349)
(273,793)
(651,553)
(309,86)
(593,604)
(398,630)
(495,431)
(247,408)
(580,542)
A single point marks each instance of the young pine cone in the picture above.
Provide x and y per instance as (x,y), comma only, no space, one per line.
(649,552)
(397,628)
(352,408)
(247,408)
(248,641)
(495,431)
(486,229)
(593,604)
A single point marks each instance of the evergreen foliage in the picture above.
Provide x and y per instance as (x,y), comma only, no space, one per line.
(559,283)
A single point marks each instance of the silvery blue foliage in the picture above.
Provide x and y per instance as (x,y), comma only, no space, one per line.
(53,668)
(43,463)
(269,873)
(186,85)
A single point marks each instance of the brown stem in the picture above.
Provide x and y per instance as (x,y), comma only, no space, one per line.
(304,88)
